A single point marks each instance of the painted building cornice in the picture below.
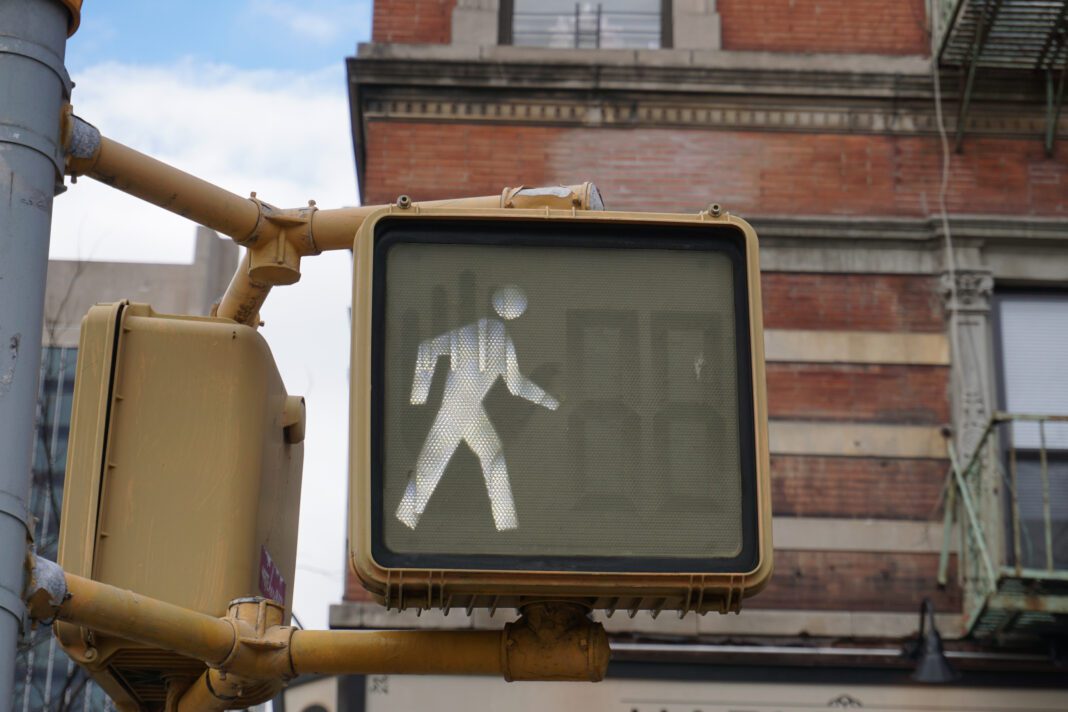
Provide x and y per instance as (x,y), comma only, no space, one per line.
(710,111)
(675,72)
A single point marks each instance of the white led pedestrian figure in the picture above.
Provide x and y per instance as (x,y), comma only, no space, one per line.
(479,354)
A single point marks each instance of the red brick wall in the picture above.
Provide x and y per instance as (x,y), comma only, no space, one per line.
(862,488)
(856,581)
(860,302)
(756,173)
(867,26)
(870,393)
(771,173)
(413,21)
(917,395)
(430,161)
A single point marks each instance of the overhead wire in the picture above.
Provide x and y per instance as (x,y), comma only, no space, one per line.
(956,377)
(943,188)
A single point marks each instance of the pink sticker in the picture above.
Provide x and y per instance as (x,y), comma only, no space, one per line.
(272,585)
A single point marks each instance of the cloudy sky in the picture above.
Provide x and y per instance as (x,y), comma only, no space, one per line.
(249,94)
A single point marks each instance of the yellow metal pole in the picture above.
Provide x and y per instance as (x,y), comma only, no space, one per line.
(336,230)
(172,189)
(145,620)
(156,182)
(250,653)
(207,695)
(276,238)
(244,296)
(331,230)
(431,652)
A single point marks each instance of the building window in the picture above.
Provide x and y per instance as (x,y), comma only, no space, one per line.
(566,24)
(51,432)
(1033,345)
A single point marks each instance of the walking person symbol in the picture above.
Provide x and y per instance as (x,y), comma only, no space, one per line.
(479,354)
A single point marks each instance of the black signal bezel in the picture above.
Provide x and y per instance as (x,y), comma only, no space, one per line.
(723,238)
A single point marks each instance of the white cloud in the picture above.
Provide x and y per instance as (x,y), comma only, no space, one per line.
(322,21)
(286,136)
(282,134)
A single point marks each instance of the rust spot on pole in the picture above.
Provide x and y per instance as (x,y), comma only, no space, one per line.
(7,378)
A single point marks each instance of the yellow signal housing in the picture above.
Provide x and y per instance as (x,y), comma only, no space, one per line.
(183,480)
(558,405)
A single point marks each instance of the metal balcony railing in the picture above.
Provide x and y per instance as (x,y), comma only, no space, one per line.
(1005,34)
(587,26)
(1023,36)
(1013,552)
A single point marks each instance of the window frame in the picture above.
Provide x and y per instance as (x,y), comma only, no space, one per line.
(506,24)
(1006,440)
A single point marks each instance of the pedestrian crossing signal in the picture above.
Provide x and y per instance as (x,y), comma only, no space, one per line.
(558,404)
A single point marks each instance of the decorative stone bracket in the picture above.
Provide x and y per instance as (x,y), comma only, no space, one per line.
(967,296)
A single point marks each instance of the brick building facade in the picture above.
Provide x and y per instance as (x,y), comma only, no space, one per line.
(886,259)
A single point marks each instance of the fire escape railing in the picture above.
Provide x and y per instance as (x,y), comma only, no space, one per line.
(1011,35)
(1008,585)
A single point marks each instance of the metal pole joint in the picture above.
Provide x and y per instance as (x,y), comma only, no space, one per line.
(262,645)
(81,144)
(46,589)
(554,641)
(278,241)
(250,653)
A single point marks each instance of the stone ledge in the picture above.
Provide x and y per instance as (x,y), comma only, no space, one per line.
(988,229)
(870,347)
(722,59)
(675,71)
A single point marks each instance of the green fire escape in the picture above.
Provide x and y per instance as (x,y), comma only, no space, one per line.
(1016,38)
(1014,570)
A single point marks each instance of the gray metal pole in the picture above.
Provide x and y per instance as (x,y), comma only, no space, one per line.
(33,87)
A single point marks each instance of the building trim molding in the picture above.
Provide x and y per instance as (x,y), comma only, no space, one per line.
(870,535)
(702,112)
(674,89)
(869,347)
(892,74)
(1018,250)
(845,439)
